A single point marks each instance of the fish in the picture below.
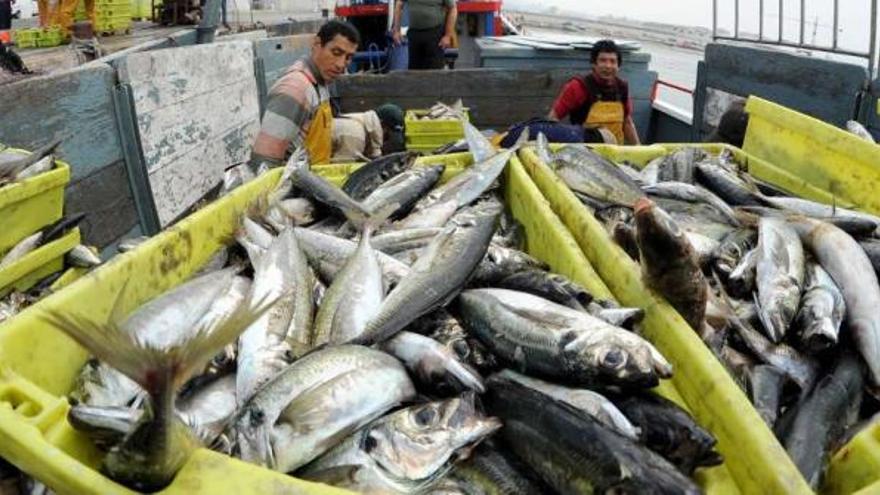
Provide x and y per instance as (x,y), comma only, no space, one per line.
(263,348)
(20,250)
(319,418)
(45,164)
(574,453)
(104,425)
(488,470)
(407,451)
(501,262)
(850,268)
(669,264)
(235,177)
(545,339)
(551,286)
(299,210)
(9,169)
(680,165)
(366,179)
(820,210)
(131,243)
(328,254)
(780,276)
(323,191)
(872,249)
(684,191)
(821,310)
(859,130)
(83,257)
(743,279)
(445,328)
(207,410)
(728,184)
(405,189)
(477,143)
(650,174)
(587,401)
(433,364)
(397,241)
(766,384)
(255,419)
(159,346)
(60,227)
(823,418)
(99,385)
(732,249)
(356,294)
(626,318)
(439,274)
(589,173)
(669,430)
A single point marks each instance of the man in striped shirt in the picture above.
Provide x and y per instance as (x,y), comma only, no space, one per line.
(298,109)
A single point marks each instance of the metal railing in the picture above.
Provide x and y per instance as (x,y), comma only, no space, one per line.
(869,55)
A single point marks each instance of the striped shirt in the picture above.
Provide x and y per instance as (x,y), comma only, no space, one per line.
(292,103)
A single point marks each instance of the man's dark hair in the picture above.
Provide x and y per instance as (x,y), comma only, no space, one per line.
(605,46)
(331,28)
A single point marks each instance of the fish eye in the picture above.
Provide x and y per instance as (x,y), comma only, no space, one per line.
(613,359)
(461,349)
(370,443)
(426,417)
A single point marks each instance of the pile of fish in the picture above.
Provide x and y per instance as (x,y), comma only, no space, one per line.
(783,290)
(442,111)
(386,337)
(16,166)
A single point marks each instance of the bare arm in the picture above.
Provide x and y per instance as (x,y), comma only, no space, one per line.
(449,32)
(395,23)
(552,115)
(629,132)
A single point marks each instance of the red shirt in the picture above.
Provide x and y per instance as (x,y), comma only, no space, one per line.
(576,95)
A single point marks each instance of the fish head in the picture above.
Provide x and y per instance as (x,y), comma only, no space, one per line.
(657,231)
(417,442)
(617,357)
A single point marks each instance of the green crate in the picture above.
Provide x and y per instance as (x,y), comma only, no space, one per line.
(414,126)
(435,140)
(112,3)
(25,35)
(113,14)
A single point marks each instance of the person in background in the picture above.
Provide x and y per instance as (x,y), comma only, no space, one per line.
(732,125)
(6,14)
(298,111)
(600,100)
(357,137)
(392,119)
(431,31)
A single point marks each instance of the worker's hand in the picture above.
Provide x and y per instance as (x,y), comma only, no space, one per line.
(445,42)
(396,37)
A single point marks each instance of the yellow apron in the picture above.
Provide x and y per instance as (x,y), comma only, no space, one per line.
(319,139)
(607,114)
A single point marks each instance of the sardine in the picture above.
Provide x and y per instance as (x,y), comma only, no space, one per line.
(780,276)
(433,364)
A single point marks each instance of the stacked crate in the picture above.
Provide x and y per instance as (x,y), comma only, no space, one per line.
(38,37)
(112,17)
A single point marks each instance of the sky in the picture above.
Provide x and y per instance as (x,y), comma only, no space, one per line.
(853,32)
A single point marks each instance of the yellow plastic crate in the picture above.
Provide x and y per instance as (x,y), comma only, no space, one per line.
(29,205)
(42,363)
(756,460)
(449,126)
(39,263)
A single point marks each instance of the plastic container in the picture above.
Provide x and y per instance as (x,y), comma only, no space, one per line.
(37,264)
(756,460)
(42,363)
(426,135)
(27,206)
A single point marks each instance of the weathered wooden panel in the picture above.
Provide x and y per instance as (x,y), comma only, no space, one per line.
(496,98)
(824,89)
(197,112)
(280,53)
(75,105)
(106,199)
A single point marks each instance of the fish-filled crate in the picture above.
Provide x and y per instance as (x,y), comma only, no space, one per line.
(425,130)
(495,246)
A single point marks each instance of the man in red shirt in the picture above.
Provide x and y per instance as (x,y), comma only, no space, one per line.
(599,100)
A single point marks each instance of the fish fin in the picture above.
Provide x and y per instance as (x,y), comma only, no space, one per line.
(521,140)
(118,313)
(543,149)
(298,159)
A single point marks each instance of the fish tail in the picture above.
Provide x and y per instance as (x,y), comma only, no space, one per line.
(544,149)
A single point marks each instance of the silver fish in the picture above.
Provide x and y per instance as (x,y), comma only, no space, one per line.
(327,254)
(432,363)
(320,418)
(780,275)
(692,193)
(256,418)
(407,451)
(859,130)
(45,164)
(9,169)
(842,257)
(822,310)
(209,409)
(439,273)
(83,256)
(21,249)
(539,336)
(129,244)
